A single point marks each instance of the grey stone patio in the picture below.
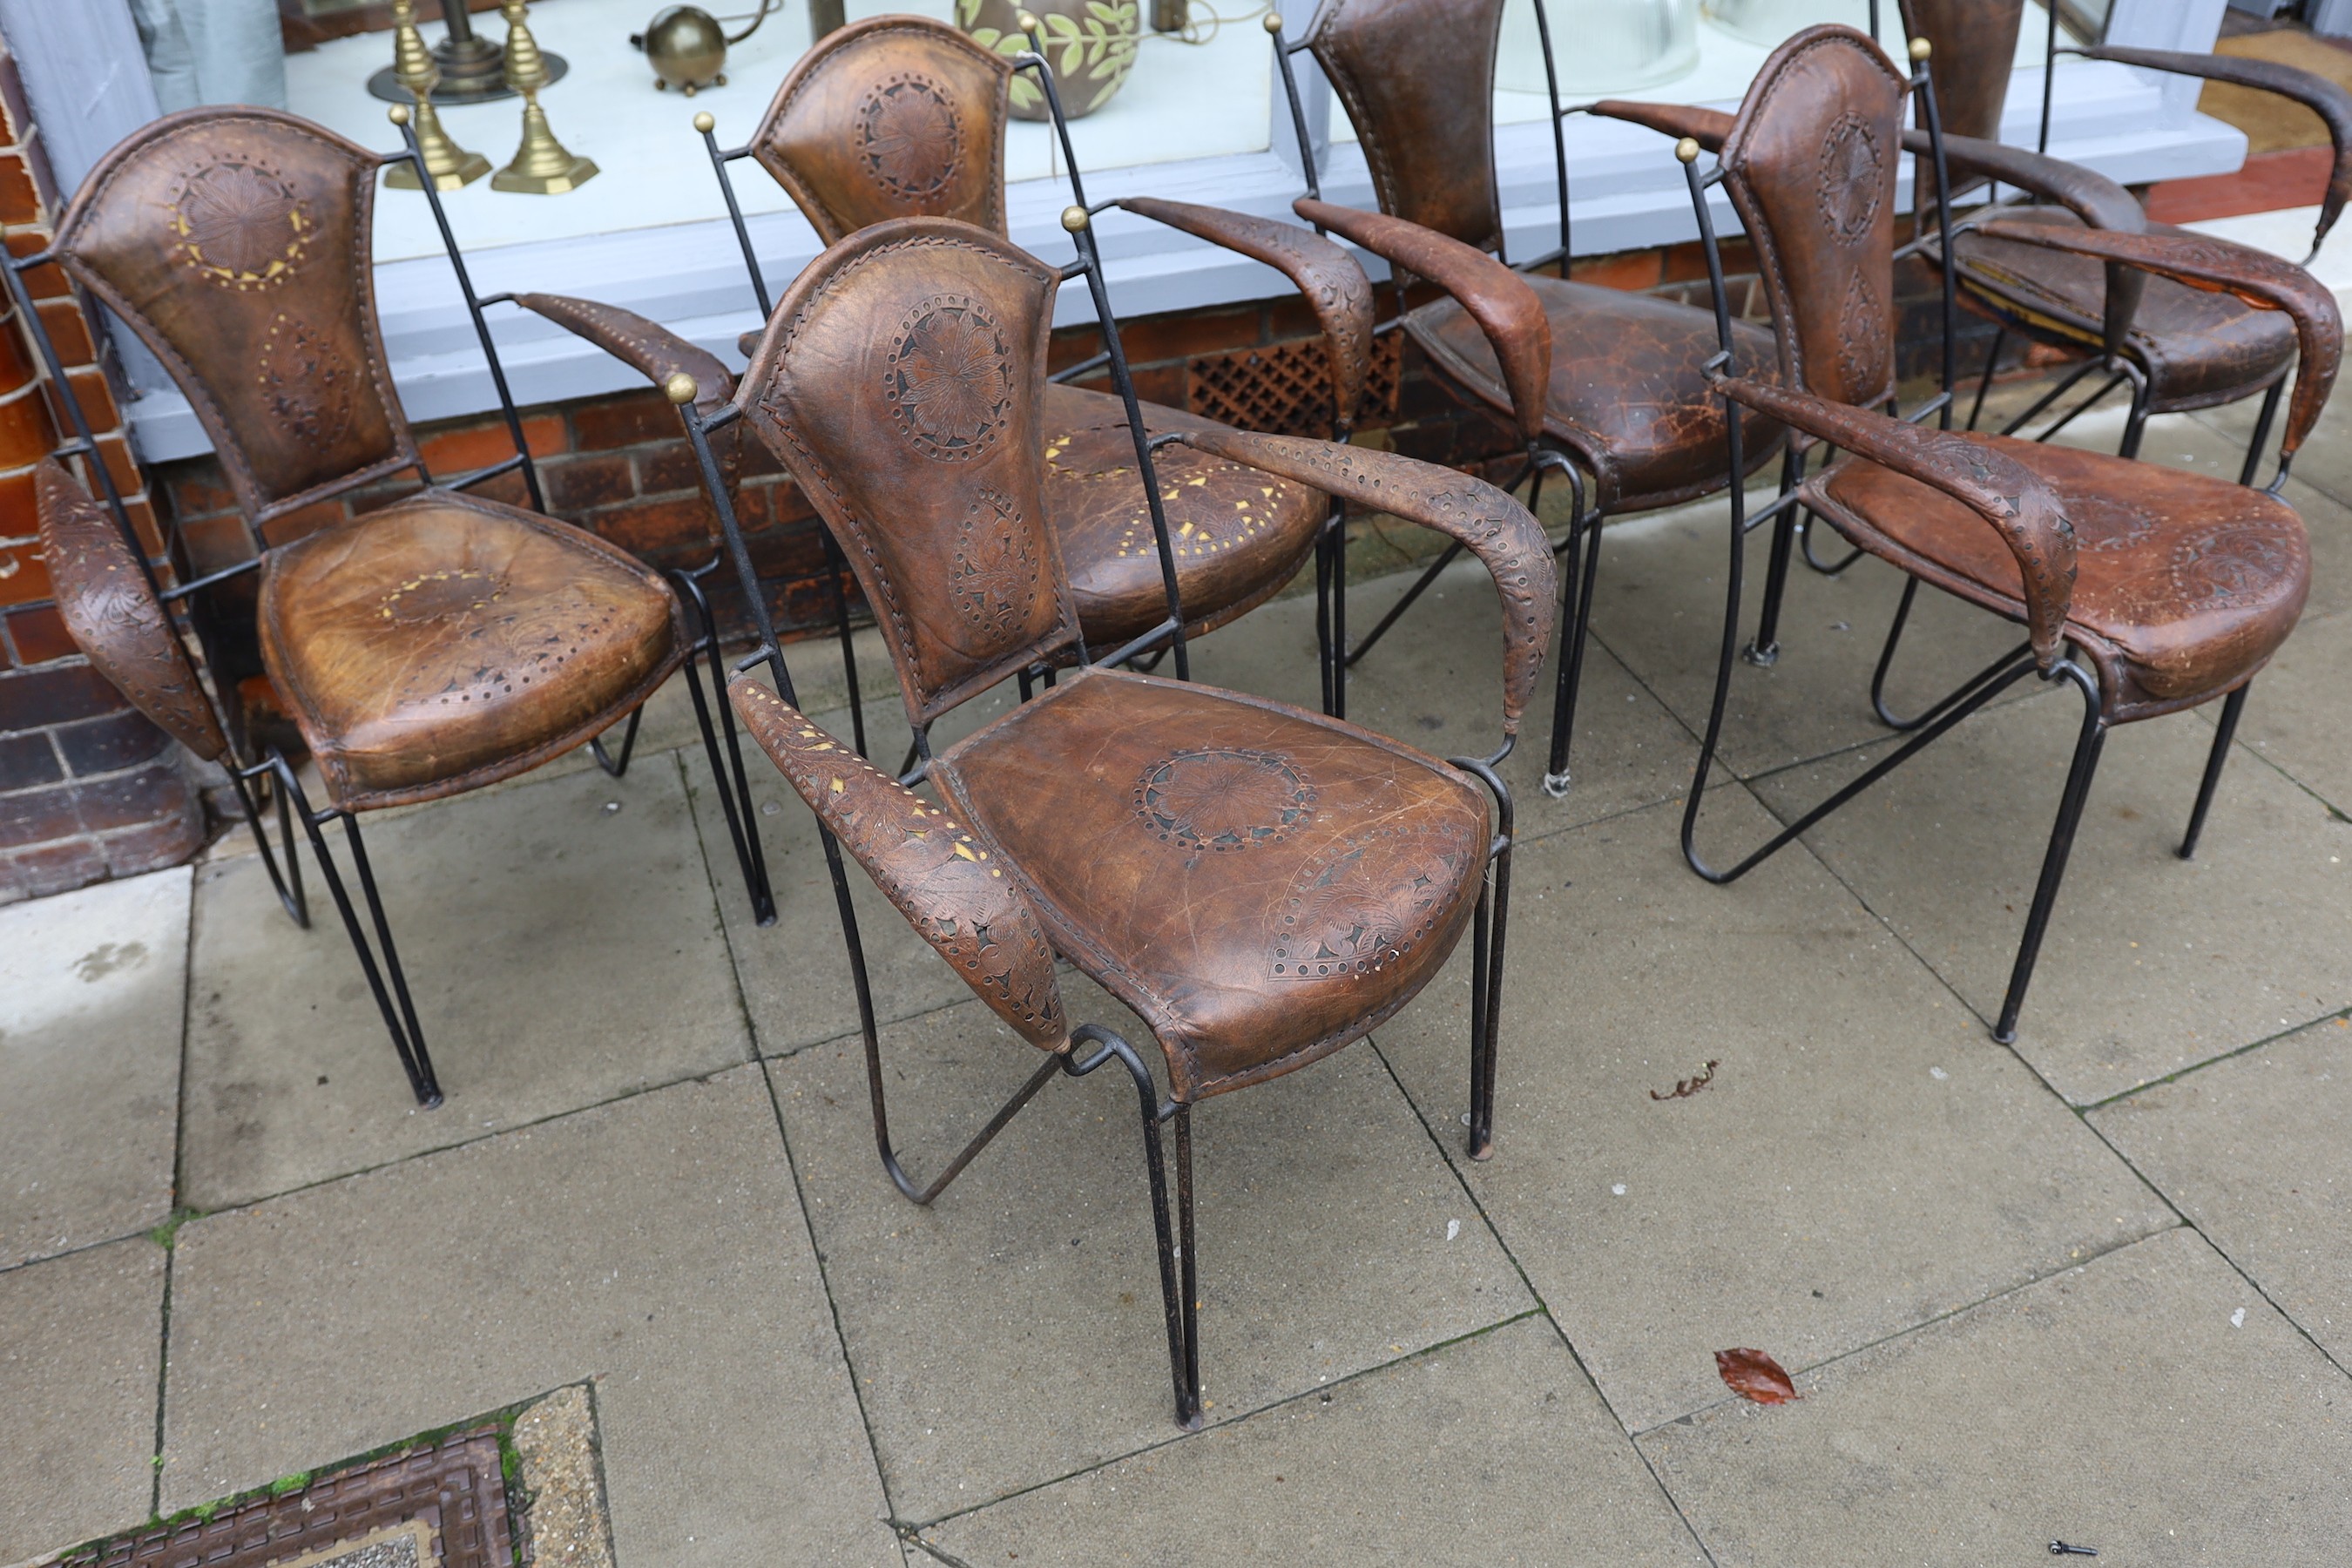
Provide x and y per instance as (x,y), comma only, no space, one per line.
(2097,1287)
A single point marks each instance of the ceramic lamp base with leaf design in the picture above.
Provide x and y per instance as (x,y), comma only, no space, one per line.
(1090,43)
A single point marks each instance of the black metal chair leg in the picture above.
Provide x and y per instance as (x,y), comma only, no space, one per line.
(1188,1381)
(407,1039)
(290,898)
(836,567)
(2261,433)
(1323,662)
(1575,629)
(2087,747)
(605,760)
(1763,649)
(2232,706)
(2135,426)
(728,778)
(1338,652)
(1984,382)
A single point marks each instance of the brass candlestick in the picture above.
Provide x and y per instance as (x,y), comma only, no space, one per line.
(451,166)
(541,165)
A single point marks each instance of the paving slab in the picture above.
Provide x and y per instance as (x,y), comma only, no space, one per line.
(1658,607)
(80,1339)
(1012,1333)
(1860,1159)
(1483,1453)
(561,953)
(2124,1404)
(2252,1149)
(92,987)
(2152,964)
(2295,716)
(654,1245)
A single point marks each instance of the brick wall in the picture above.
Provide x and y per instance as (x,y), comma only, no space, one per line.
(89,788)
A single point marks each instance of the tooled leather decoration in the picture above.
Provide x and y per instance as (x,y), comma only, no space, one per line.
(2327,99)
(1501,533)
(908,138)
(1501,302)
(1335,287)
(995,578)
(1996,487)
(1418,83)
(947,884)
(1223,798)
(947,378)
(1334,921)
(114,617)
(2264,281)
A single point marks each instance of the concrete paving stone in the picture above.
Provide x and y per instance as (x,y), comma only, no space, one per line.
(1488,1452)
(79,1338)
(2294,715)
(1012,1333)
(1862,1159)
(560,953)
(2252,1149)
(2124,1404)
(654,1245)
(1658,607)
(2152,964)
(92,987)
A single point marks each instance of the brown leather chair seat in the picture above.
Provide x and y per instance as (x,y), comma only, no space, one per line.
(2187,584)
(449,639)
(2199,348)
(1627,388)
(1260,891)
(1238,534)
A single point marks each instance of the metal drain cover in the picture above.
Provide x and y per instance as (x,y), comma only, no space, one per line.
(442,1505)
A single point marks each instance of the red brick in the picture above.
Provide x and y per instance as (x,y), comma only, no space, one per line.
(27,584)
(15,111)
(1160,383)
(39,816)
(580,484)
(19,518)
(25,434)
(19,202)
(95,396)
(39,636)
(44,282)
(103,745)
(197,489)
(214,544)
(120,463)
(145,523)
(69,330)
(623,421)
(51,868)
(303,522)
(156,793)
(55,694)
(155,845)
(450,454)
(666,470)
(786,502)
(1183,334)
(654,528)
(380,495)
(1632,269)
(27,759)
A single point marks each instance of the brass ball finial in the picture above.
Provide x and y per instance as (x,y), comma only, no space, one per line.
(397,114)
(680,388)
(1920,50)
(1687,148)
(706,123)
(1027,21)
(1074,218)
(1273,21)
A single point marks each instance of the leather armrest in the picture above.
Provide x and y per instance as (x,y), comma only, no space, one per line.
(950,887)
(2098,201)
(1505,306)
(1334,286)
(2261,279)
(1707,127)
(2324,98)
(1989,482)
(647,346)
(112,615)
(1501,533)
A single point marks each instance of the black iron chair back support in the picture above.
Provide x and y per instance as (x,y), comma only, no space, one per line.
(1168,637)
(2057,664)
(379,960)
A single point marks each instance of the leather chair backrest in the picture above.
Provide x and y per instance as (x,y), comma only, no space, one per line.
(902,381)
(1811,165)
(236,242)
(1975,48)
(1417,77)
(894,117)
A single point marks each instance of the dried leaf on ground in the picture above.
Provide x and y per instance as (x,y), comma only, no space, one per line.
(1752,1375)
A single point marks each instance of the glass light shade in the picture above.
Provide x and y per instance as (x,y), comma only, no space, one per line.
(1769,22)
(1600,46)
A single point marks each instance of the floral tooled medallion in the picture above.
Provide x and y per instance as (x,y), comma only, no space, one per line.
(949,380)
(909,137)
(239,224)
(1367,900)
(2234,566)
(1849,176)
(994,575)
(1223,799)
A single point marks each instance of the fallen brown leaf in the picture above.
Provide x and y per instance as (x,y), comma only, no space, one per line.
(1752,1375)
(1684,1087)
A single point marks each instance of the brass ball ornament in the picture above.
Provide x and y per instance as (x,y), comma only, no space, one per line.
(1687,148)
(681,388)
(687,47)
(1074,218)
(1027,21)
(397,114)
(1920,50)
(1273,23)
(705,122)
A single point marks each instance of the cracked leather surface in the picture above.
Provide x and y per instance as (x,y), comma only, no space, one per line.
(1417,77)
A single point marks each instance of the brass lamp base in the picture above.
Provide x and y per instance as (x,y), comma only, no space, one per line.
(542,166)
(471,166)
